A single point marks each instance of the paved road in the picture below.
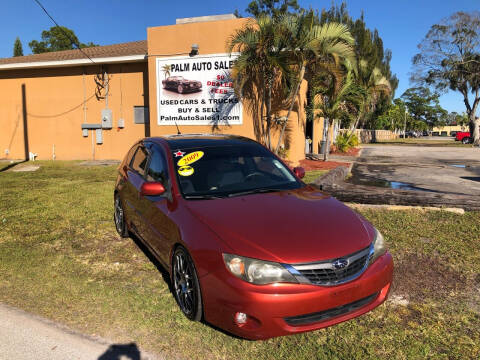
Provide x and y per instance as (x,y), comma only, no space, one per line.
(440,169)
(27,337)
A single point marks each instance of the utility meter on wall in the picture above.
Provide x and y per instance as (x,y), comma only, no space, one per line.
(107,121)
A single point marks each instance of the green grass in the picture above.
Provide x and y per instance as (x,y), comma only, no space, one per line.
(312,175)
(61,258)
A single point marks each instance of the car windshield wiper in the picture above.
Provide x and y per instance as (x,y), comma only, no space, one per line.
(253,191)
(203,197)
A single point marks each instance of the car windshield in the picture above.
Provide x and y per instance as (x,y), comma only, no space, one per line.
(227,171)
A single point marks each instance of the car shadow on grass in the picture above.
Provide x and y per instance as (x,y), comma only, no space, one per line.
(166,278)
(146,251)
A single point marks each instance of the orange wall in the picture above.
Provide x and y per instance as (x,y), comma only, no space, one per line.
(54,101)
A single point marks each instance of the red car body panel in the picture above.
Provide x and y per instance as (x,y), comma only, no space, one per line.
(306,226)
(292,226)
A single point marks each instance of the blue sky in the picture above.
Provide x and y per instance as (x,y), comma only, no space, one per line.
(401,23)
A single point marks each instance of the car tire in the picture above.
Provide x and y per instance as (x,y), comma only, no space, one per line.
(180,89)
(186,286)
(119,218)
(466,140)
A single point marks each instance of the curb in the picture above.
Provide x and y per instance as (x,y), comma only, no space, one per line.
(458,211)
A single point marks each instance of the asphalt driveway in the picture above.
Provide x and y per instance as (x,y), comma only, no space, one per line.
(453,170)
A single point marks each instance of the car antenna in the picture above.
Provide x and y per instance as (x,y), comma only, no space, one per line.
(178,130)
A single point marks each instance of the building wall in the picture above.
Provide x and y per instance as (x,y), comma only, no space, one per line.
(450,128)
(54,106)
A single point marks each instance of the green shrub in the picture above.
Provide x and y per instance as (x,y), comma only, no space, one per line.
(343,144)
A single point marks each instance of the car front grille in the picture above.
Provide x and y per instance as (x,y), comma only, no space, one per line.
(330,313)
(331,272)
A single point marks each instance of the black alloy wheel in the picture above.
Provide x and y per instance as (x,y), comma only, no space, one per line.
(466,140)
(119,218)
(185,285)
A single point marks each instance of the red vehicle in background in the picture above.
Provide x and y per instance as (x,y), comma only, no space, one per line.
(464,137)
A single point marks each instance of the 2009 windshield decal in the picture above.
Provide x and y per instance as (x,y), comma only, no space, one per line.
(190,158)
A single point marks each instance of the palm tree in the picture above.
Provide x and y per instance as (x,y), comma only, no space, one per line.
(166,70)
(374,84)
(260,69)
(313,46)
(338,100)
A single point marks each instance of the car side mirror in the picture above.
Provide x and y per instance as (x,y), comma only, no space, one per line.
(299,171)
(153,188)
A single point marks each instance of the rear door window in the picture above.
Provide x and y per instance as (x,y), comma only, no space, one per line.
(139,161)
(157,168)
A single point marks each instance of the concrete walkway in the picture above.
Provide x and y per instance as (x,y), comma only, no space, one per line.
(24,337)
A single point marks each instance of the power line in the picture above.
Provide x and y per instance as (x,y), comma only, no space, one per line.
(65,33)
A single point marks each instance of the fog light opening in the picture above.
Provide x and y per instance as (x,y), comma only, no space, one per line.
(241,318)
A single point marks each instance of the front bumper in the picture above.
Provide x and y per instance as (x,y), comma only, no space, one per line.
(283,309)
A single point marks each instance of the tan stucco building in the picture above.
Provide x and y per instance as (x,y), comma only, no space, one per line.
(65,105)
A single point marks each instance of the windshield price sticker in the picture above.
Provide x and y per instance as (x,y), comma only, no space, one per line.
(190,158)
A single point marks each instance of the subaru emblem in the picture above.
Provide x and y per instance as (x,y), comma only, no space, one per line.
(340,264)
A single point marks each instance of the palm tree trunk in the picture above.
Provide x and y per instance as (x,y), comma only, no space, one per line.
(262,127)
(327,143)
(268,104)
(300,78)
(354,128)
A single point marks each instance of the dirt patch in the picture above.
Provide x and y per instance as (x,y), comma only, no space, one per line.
(409,314)
(25,168)
(321,165)
(418,277)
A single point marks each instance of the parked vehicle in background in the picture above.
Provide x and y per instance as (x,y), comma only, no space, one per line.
(413,134)
(249,247)
(464,137)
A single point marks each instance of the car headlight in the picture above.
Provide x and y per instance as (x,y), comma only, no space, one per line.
(257,271)
(379,247)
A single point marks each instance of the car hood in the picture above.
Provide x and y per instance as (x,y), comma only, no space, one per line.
(292,226)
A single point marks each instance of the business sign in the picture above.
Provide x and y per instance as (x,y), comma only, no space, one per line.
(197,91)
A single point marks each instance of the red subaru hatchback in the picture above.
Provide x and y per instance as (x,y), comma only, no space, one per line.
(249,247)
